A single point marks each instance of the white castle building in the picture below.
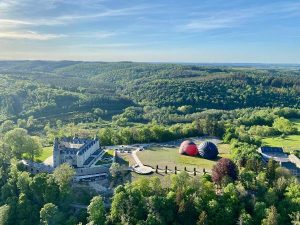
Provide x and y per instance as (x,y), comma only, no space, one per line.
(75,151)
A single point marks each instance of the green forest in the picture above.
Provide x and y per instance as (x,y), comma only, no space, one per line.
(70,90)
(126,103)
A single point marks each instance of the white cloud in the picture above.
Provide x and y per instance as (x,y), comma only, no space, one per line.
(235,17)
(100,35)
(13,23)
(29,35)
(6,5)
(129,11)
(106,45)
(210,24)
(53,20)
(33,35)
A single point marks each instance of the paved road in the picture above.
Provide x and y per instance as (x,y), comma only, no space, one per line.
(136,158)
(141,169)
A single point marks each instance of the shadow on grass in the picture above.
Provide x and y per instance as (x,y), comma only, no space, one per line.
(121,161)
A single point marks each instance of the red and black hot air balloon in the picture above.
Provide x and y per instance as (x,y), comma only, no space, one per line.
(188,148)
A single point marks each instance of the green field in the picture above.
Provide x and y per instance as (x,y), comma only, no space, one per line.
(170,157)
(46,152)
(289,142)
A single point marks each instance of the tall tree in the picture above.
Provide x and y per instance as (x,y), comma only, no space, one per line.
(19,142)
(96,211)
(271,170)
(49,214)
(4,214)
(63,176)
(17,139)
(271,217)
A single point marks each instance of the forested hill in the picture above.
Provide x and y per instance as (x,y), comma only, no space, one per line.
(68,88)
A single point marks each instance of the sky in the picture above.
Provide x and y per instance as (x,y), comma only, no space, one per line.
(197,31)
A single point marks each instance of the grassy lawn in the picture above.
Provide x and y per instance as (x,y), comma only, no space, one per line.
(171,158)
(289,142)
(46,152)
(108,154)
(125,159)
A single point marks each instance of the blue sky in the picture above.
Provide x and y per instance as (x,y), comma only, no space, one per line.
(157,30)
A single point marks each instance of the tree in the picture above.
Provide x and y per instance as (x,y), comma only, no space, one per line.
(17,140)
(271,217)
(271,170)
(39,186)
(33,147)
(284,126)
(4,214)
(259,212)
(6,126)
(202,218)
(63,176)
(105,135)
(49,214)
(96,211)
(225,168)
(21,143)
(295,217)
(31,121)
(242,151)
(22,123)
(25,208)
(115,169)
(245,219)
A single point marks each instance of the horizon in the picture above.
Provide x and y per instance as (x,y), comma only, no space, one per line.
(152,62)
(221,32)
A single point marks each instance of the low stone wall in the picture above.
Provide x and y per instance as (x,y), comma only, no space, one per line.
(92,170)
(34,167)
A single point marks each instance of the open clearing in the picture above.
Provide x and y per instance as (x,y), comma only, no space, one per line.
(163,156)
(289,142)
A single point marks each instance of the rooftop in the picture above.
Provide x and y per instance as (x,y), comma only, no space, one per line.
(267,149)
(73,145)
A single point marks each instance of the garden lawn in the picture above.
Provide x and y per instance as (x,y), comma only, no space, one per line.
(289,142)
(46,152)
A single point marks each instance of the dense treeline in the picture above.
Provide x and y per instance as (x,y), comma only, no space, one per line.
(22,98)
(40,199)
(228,92)
(264,197)
(246,194)
(168,93)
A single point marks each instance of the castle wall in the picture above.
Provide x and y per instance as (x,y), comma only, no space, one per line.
(82,158)
(73,157)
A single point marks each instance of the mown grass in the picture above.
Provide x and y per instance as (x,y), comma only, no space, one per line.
(170,157)
(289,142)
(46,152)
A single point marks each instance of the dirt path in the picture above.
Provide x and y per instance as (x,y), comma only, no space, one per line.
(49,161)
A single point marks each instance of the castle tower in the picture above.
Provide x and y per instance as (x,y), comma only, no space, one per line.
(56,154)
